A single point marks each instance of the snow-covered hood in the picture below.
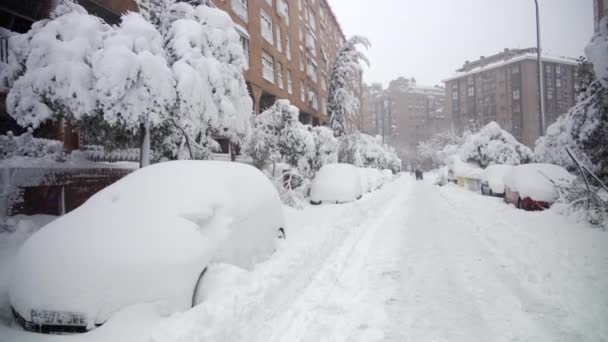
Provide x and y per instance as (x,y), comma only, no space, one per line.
(494,175)
(147,238)
(338,183)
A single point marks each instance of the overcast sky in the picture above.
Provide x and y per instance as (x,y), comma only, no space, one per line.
(430,39)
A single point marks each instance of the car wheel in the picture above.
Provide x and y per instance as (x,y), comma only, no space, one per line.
(195,293)
(281,234)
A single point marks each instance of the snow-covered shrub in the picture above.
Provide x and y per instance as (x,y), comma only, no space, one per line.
(342,105)
(327,146)
(363,150)
(296,143)
(493,145)
(25,145)
(277,135)
(50,73)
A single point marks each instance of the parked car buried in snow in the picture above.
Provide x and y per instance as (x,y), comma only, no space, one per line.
(336,183)
(533,186)
(492,180)
(148,237)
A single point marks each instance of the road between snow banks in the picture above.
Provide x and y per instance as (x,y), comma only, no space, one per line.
(409,262)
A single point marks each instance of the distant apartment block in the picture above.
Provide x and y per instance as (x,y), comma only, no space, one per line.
(418,112)
(504,88)
(371,109)
(600,10)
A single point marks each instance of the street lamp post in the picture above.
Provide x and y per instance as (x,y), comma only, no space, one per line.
(540,72)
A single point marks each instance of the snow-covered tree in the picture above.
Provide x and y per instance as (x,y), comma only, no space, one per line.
(262,144)
(433,148)
(135,86)
(493,145)
(327,147)
(584,129)
(296,142)
(342,105)
(50,74)
(208,62)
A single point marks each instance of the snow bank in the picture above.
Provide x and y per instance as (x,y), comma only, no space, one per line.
(146,238)
(336,183)
(535,181)
(494,176)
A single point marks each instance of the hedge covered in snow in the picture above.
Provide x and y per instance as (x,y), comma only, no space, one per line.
(493,145)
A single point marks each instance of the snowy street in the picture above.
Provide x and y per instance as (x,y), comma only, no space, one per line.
(410,262)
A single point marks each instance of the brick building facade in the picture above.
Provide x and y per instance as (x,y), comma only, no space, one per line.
(504,88)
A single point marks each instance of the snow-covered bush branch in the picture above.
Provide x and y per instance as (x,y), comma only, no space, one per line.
(25,145)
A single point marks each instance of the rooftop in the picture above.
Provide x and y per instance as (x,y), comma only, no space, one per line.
(505,58)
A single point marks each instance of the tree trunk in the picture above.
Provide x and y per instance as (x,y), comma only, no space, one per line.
(144,152)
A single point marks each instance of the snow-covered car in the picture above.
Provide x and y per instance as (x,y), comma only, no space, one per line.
(533,186)
(147,238)
(336,183)
(492,180)
(387,175)
(364,179)
(375,178)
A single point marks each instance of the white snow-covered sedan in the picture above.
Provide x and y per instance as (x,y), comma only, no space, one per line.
(336,183)
(492,180)
(147,238)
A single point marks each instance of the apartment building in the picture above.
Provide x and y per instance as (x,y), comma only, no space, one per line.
(417,111)
(291,46)
(504,88)
(371,109)
(600,10)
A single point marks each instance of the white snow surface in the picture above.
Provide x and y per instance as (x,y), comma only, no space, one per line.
(337,183)
(535,181)
(494,175)
(411,262)
(147,238)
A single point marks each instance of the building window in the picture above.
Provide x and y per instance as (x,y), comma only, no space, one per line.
(267,67)
(324,82)
(283,10)
(279,39)
(550,94)
(301,60)
(240,8)
(470,80)
(548,69)
(516,94)
(558,69)
(455,95)
(558,82)
(312,18)
(471,91)
(301,31)
(269,2)
(245,45)
(288,46)
(302,92)
(280,80)
(289,83)
(311,71)
(266,22)
(311,42)
(312,99)
(515,69)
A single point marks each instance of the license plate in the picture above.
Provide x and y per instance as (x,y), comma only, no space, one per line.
(47,317)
